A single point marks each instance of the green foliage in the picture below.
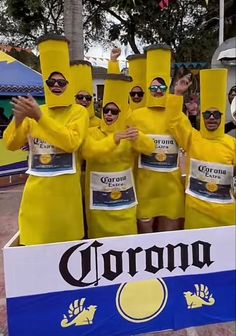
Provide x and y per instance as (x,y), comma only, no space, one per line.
(190,27)
(23,21)
(26,57)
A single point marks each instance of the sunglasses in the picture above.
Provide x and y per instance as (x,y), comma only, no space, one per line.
(113,110)
(155,88)
(61,82)
(139,94)
(215,114)
(81,97)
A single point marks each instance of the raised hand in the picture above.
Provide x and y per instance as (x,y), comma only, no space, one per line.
(181,86)
(115,53)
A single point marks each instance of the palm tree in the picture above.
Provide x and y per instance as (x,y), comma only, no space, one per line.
(73,25)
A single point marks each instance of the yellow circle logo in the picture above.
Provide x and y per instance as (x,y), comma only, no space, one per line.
(160,156)
(141,301)
(116,194)
(212,187)
(45,158)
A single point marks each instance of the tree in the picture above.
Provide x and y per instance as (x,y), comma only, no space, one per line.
(190,27)
(23,21)
(73,24)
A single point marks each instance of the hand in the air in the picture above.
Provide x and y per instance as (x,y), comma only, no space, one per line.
(115,53)
(181,86)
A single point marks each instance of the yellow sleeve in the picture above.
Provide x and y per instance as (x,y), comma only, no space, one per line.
(234,160)
(67,137)
(177,122)
(95,149)
(94,121)
(143,144)
(113,67)
(16,137)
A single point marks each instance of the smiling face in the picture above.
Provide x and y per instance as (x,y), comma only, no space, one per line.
(212,119)
(158,87)
(57,83)
(83,98)
(110,113)
(136,94)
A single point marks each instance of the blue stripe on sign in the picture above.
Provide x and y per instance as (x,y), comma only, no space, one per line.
(39,315)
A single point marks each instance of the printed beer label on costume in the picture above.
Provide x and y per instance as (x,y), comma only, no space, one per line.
(47,160)
(112,191)
(165,157)
(210,181)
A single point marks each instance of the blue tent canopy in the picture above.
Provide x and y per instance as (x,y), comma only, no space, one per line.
(194,65)
(18,79)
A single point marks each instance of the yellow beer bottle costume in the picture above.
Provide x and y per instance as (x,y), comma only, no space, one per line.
(81,72)
(158,179)
(51,209)
(211,156)
(110,193)
(137,70)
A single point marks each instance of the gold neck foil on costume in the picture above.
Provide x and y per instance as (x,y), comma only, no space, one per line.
(116,90)
(213,95)
(54,57)
(158,65)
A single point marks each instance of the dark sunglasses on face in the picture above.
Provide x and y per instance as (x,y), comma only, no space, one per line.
(155,88)
(215,114)
(134,93)
(61,82)
(81,97)
(114,111)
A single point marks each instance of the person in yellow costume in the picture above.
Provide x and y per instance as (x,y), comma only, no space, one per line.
(137,70)
(82,80)
(109,151)
(51,208)
(160,190)
(211,154)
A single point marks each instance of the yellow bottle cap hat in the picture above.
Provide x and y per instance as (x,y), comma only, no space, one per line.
(158,68)
(137,70)
(213,95)
(54,58)
(116,90)
(82,80)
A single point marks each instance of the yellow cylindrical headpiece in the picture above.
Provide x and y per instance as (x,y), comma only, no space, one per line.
(113,67)
(158,66)
(82,80)
(137,70)
(213,94)
(54,57)
(116,90)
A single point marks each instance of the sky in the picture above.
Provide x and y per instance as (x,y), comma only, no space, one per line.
(99,56)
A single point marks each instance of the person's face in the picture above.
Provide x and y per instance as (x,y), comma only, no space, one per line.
(212,119)
(157,89)
(57,84)
(232,94)
(83,98)
(110,113)
(136,94)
